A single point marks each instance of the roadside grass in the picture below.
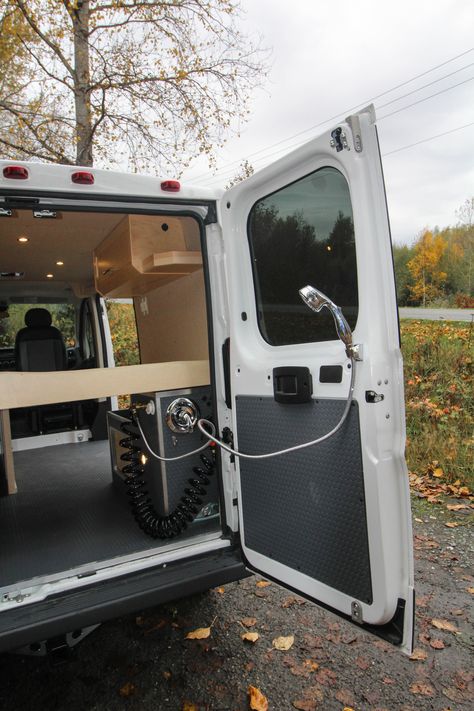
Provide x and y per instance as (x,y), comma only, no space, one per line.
(438,364)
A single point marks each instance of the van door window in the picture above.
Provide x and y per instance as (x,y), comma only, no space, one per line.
(303,234)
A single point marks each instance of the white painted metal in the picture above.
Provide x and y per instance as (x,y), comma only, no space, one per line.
(382,426)
(35,590)
(50,440)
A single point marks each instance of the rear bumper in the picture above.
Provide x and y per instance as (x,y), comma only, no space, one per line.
(97,603)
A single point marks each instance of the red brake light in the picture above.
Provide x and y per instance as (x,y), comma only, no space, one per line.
(15,172)
(171,186)
(82,177)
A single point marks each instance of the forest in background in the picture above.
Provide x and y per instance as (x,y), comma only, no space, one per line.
(436,270)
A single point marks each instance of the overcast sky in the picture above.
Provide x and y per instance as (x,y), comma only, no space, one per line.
(328,58)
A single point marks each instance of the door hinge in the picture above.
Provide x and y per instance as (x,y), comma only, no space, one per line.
(339,140)
(5,213)
(356,612)
(354,123)
(228,438)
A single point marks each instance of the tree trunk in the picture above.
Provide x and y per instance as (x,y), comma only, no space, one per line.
(82,86)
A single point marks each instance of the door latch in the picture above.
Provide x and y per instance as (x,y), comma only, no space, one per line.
(371,396)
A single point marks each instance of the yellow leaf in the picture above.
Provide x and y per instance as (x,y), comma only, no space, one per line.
(284,643)
(258,702)
(438,472)
(263,584)
(221,591)
(419,655)
(456,507)
(200,633)
(188,706)
(250,636)
(470,590)
(444,625)
(127,689)
(452,524)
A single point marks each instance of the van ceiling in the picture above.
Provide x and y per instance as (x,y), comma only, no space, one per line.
(70,237)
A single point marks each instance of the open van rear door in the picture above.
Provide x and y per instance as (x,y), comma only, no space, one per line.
(332,521)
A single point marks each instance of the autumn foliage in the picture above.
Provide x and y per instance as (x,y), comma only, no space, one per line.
(439,359)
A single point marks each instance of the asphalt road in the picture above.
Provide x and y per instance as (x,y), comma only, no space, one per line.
(145,662)
(438,314)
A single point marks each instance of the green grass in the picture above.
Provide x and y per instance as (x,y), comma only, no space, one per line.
(438,358)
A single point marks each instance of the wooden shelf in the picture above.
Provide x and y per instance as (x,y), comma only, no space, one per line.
(172,262)
(140,255)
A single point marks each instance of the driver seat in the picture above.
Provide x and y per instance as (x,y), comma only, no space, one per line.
(39,346)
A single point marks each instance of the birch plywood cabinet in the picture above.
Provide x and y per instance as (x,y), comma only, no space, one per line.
(144,252)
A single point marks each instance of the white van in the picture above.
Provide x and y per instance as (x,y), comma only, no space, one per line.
(92,524)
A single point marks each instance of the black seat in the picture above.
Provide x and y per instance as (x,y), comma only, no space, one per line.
(39,346)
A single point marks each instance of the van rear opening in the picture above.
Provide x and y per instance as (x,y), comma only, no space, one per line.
(101,312)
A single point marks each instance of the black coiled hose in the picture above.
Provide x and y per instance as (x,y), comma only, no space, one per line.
(143,509)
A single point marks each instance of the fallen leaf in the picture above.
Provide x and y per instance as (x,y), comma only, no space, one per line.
(444,625)
(362,663)
(419,520)
(258,702)
(249,621)
(423,600)
(326,676)
(470,590)
(249,666)
(453,694)
(127,689)
(188,706)
(289,601)
(221,591)
(420,687)
(167,675)
(262,584)
(452,524)
(313,642)
(419,655)
(438,472)
(200,633)
(283,643)
(250,636)
(304,705)
(309,664)
(345,696)
(347,708)
(456,507)
(437,643)
(388,680)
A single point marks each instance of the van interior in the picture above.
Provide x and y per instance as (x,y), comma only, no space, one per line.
(98,310)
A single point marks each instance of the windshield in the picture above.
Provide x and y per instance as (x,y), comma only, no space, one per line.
(12,319)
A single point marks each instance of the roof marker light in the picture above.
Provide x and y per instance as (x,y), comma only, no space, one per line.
(50,276)
(15,172)
(171,186)
(23,239)
(83,177)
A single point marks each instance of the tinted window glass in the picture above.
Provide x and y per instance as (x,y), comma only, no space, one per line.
(304,234)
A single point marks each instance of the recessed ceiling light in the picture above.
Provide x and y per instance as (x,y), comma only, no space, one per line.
(49,276)
(23,239)
(60,264)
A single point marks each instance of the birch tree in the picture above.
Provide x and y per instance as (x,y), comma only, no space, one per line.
(132,82)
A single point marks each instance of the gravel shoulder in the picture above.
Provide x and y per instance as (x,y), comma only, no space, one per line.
(145,662)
